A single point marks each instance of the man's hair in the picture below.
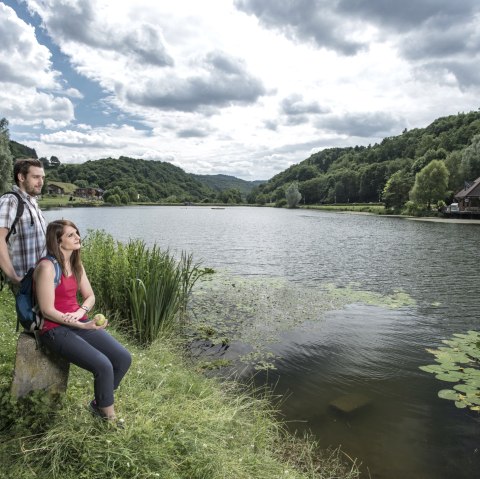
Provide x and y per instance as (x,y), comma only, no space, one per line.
(22,165)
(54,235)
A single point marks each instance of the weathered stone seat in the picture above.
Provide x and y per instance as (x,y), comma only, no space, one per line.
(37,369)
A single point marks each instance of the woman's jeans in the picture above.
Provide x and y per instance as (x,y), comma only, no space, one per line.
(94,350)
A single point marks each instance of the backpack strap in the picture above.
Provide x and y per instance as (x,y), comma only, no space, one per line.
(58,269)
(18,215)
(56,265)
(56,280)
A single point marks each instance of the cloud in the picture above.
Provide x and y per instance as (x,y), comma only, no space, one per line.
(109,137)
(407,15)
(306,20)
(420,29)
(223,81)
(192,133)
(23,60)
(26,106)
(87,23)
(364,125)
(466,73)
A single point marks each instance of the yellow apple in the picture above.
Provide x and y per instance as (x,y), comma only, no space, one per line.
(99,319)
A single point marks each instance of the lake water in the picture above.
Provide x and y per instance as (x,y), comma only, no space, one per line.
(406,431)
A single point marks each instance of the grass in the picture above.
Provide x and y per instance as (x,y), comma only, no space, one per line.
(179,425)
(378,209)
(51,201)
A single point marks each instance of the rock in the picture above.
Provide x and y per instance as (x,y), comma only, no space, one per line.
(350,403)
(37,369)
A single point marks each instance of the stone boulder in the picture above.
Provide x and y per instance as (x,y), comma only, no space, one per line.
(350,403)
(37,369)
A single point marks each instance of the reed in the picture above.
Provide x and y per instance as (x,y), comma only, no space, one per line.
(143,290)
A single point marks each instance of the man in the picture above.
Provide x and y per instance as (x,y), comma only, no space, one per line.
(27,244)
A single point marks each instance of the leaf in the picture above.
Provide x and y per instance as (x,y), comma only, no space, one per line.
(450,377)
(448,394)
(432,368)
(460,405)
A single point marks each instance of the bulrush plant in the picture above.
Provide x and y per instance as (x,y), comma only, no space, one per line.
(143,290)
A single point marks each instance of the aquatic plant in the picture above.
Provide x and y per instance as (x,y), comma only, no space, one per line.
(254,313)
(143,290)
(459,362)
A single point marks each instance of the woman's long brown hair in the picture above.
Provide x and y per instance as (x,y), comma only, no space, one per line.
(55,230)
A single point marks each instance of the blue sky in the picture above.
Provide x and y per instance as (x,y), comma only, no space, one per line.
(239,87)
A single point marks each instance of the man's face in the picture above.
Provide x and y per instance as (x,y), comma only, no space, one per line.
(32,182)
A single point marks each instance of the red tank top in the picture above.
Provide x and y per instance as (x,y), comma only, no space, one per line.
(65,300)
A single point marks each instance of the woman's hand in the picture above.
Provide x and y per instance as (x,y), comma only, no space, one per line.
(74,316)
(91,325)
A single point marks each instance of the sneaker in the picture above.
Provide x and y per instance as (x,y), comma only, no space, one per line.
(96,412)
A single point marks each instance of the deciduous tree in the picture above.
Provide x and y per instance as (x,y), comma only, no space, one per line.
(431,184)
(5,157)
(292,195)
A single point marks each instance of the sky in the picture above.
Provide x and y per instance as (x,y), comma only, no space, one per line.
(237,87)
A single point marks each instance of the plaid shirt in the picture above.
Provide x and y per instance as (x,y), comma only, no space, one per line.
(27,245)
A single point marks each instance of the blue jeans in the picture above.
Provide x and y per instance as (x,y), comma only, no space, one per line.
(94,350)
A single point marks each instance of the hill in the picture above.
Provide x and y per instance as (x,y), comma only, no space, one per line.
(359,174)
(21,151)
(226,182)
(139,179)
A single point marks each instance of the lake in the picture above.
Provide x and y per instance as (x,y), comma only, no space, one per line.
(357,346)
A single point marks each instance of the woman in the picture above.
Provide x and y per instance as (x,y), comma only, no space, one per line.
(67,331)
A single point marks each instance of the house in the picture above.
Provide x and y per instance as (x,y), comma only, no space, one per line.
(468,198)
(91,193)
(53,189)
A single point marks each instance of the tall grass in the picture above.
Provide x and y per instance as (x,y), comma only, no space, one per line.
(143,290)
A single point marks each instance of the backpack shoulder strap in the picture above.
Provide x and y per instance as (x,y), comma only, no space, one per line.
(56,265)
(18,215)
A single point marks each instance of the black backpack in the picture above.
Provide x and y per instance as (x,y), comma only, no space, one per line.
(28,313)
(13,230)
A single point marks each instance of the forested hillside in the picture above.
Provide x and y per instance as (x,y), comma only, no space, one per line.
(138,179)
(360,174)
(226,182)
(21,151)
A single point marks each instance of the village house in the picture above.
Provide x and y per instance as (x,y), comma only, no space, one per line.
(89,193)
(468,198)
(53,189)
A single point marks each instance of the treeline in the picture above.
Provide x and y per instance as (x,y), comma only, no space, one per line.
(386,171)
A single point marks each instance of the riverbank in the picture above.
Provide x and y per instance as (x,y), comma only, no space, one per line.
(380,211)
(179,424)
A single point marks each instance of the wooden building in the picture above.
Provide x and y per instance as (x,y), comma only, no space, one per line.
(468,198)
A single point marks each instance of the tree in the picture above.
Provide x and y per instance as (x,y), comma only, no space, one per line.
(5,157)
(54,162)
(431,184)
(45,162)
(292,195)
(395,193)
(471,160)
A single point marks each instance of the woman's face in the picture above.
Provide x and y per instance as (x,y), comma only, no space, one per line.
(70,239)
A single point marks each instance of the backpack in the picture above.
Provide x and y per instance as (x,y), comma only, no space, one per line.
(13,230)
(28,313)
(20,210)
